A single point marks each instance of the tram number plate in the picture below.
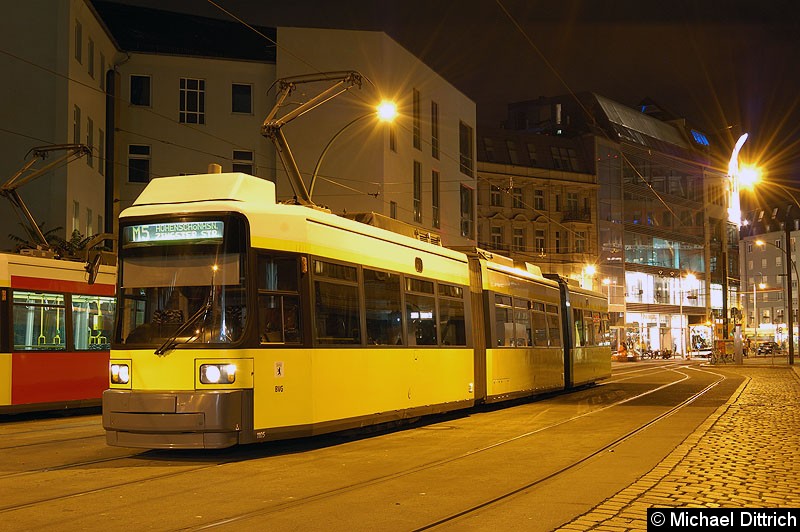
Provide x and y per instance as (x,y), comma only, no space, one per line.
(279,388)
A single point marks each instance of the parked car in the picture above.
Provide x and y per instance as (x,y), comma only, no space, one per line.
(767,348)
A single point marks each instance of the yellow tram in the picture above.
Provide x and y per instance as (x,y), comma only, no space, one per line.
(243,320)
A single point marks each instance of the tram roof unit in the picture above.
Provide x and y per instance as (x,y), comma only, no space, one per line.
(300,228)
(45,269)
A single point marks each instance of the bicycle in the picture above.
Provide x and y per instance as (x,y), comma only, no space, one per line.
(719,356)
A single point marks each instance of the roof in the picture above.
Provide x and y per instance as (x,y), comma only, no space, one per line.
(636,126)
(146,30)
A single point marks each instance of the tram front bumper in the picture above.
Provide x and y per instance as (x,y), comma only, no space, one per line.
(209,419)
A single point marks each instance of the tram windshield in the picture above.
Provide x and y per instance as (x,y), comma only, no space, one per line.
(182,282)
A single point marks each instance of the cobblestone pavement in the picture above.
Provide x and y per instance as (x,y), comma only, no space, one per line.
(745,455)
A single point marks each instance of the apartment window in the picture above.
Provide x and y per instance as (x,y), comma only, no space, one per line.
(516,195)
(76,125)
(101,151)
(435,130)
(242,98)
(192,101)
(392,138)
(465,150)
(140,90)
(580,242)
(78,42)
(467,212)
(435,201)
(102,72)
(519,239)
(90,57)
(488,147)
(138,163)
(558,242)
(416,122)
(417,191)
(76,216)
(572,203)
(564,158)
(89,222)
(243,161)
(393,210)
(779,261)
(532,153)
(512,151)
(538,199)
(90,141)
(497,237)
(495,196)
(749,247)
(540,241)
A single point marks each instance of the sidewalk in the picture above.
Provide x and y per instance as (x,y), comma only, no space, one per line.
(745,455)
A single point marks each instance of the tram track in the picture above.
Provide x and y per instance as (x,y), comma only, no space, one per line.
(255,452)
(349,489)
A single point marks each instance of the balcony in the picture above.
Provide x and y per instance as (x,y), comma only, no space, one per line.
(577,215)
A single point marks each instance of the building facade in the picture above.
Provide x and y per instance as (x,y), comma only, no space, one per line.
(665,246)
(152,99)
(58,97)
(537,201)
(764,274)
(420,169)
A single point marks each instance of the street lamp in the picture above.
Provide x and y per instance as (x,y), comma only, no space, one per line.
(689,277)
(587,276)
(790,265)
(385,112)
(756,320)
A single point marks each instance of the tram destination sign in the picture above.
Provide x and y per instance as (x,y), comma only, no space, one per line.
(212,230)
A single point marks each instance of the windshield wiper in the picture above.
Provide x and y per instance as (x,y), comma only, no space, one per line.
(171,341)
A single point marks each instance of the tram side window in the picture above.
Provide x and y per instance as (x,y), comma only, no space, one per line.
(279,317)
(504,320)
(605,330)
(39,321)
(278,300)
(597,329)
(420,312)
(580,328)
(382,294)
(553,325)
(451,315)
(588,328)
(337,319)
(92,321)
(277,273)
(522,320)
(539,325)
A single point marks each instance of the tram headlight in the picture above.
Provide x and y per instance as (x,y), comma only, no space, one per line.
(217,373)
(120,374)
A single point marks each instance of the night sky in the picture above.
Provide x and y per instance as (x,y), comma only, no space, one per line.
(727,66)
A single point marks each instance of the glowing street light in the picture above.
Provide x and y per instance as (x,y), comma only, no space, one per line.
(789,301)
(386,111)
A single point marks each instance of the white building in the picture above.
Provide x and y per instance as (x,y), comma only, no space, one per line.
(55,58)
(420,169)
(152,99)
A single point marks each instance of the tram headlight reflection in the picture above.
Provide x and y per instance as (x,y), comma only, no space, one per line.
(217,373)
(120,374)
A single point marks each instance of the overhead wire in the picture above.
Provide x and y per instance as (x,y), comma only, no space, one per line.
(453,158)
(589,115)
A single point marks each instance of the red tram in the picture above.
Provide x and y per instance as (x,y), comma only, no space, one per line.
(55,330)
